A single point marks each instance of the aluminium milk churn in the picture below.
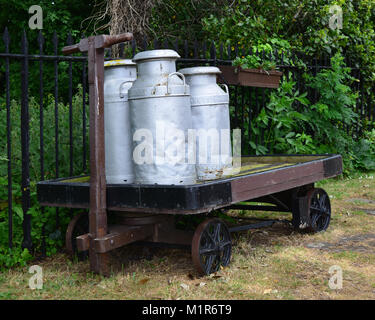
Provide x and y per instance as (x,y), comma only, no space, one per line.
(118,78)
(211,121)
(160,114)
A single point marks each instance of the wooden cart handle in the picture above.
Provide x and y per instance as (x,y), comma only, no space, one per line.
(70,49)
(111,40)
(102,41)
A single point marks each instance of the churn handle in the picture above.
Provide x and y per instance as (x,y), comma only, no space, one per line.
(179,75)
(121,86)
(225,86)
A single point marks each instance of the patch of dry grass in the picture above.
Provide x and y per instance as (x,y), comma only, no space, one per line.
(272,263)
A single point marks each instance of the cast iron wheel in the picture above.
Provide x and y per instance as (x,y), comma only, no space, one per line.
(211,246)
(319,207)
(78,226)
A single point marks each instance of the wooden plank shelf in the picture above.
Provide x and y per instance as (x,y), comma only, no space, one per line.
(232,75)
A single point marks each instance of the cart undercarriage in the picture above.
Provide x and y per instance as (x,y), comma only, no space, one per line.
(146,212)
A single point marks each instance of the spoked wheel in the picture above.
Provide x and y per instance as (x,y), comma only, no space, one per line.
(319,207)
(78,226)
(211,246)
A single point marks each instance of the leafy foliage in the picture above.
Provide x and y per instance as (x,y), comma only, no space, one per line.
(333,113)
(254,62)
(183,18)
(304,25)
(301,26)
(282,123)
(48,137)
(62,17)
(45,218)
(291,124)
(362,154)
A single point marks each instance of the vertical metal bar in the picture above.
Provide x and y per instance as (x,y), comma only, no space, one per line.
(9,143)
(70,42)
(56,75)
(263,105)
(56,92)
(354,130)
(145,43)
(41,113)
(251,110)
(165,44)
(134,47)
(204,50)
(156,44)
(371,103)
(315,73)
(176,45)
(196,49)
(243,116)
(250,117)
(282,59)
(363,102)
(365,111)
(25,185)
(256,111)
(301,87)
(41,129)
(84,135)
(277,57)
(70,93)
(186,49)
(236,95)
(108,53)
(213,53)
(243,94)
(358,104)
(262,102)
(121,49)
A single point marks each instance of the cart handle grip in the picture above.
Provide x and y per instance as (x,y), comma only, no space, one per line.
(102,41)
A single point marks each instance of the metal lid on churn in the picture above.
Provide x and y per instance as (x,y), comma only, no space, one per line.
(156,54)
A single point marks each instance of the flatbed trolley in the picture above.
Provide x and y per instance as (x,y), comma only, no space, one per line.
(119,214)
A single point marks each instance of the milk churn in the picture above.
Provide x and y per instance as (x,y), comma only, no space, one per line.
(118,78)
(210,114)
(160,114)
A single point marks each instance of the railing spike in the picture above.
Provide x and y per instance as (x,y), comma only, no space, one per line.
(69,39)
(6,36)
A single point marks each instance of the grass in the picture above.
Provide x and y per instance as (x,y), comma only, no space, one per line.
(271,263)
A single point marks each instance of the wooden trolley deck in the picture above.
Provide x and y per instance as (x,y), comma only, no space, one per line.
(259,176)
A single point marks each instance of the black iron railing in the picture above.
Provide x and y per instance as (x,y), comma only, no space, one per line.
(246,103)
